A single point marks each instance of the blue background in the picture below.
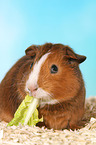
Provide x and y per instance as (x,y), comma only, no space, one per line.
(71,22)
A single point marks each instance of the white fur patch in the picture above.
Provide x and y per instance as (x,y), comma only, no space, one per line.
(44,96)
(33,77)
(51,102)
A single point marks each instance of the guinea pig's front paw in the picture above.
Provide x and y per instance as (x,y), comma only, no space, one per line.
(56,123)
(74,126)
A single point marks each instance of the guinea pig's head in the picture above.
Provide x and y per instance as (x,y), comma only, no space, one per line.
(55,74)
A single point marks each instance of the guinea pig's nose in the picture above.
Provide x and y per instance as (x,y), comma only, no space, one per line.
(32,90)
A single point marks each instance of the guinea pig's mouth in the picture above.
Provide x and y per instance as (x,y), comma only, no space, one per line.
(44,97)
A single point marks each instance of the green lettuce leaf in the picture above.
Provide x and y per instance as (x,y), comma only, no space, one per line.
(26,113)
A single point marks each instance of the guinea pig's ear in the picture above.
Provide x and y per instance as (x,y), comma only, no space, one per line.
(31,51)
(80,58)
(73,56)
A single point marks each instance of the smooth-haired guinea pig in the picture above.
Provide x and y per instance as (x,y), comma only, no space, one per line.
(51,73)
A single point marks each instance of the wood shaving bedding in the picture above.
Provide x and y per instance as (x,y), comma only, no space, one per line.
(26,135)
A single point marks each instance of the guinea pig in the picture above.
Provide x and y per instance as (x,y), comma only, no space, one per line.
(51,73)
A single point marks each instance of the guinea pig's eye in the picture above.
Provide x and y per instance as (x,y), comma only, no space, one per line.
(54,69)
(31,65)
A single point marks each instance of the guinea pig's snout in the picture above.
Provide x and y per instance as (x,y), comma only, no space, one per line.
(32,90)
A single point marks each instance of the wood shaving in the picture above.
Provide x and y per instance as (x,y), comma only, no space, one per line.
(26,135)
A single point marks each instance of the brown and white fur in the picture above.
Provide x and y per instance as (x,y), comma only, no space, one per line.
(51,73)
